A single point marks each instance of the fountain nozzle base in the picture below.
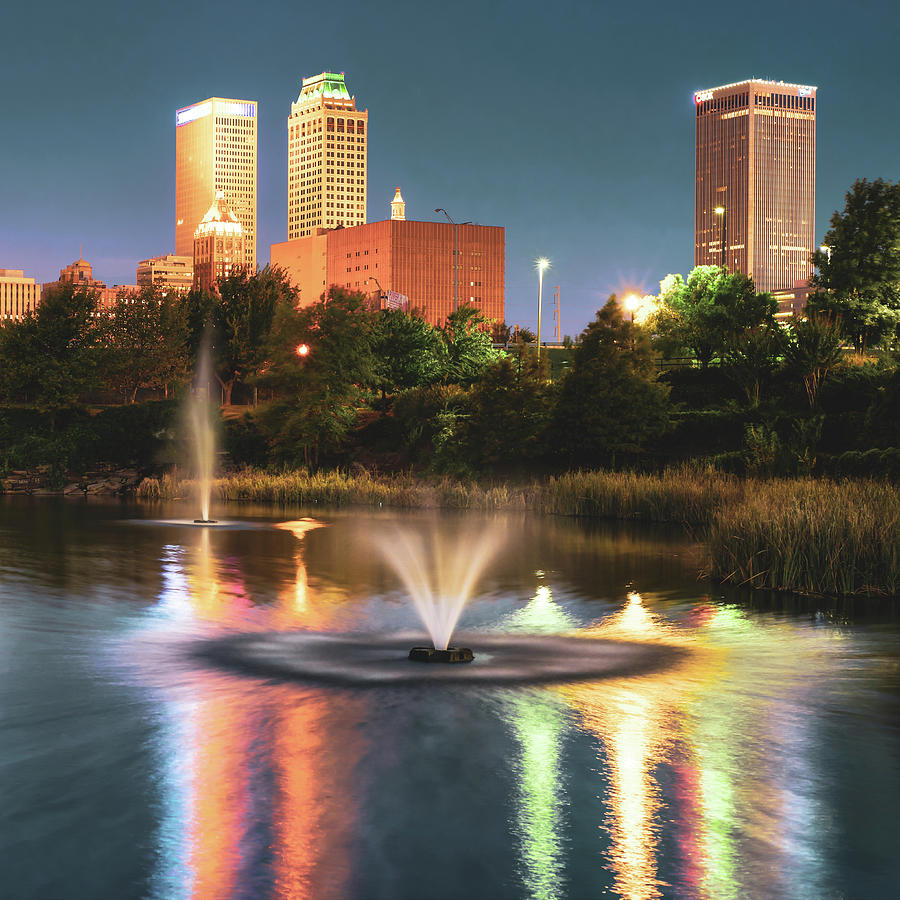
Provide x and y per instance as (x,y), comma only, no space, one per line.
(206,521)
(450,655)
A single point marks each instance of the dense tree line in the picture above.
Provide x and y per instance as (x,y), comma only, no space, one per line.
(707,371)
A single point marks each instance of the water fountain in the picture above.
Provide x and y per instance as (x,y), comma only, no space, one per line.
(204,435)
(440,580)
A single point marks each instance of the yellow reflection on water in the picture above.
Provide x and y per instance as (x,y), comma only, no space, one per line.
(634,719)
(294,607)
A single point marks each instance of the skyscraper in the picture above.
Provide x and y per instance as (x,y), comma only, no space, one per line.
(219,245)
(215,150)
(326,157)
(756,180)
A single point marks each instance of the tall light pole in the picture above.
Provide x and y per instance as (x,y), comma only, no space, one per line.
(723,233)
(632,304)
(542,264)
(456,256)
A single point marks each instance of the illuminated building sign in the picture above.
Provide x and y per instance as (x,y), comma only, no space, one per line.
(700,96)
(223,108)
(228,108)
(190,113)
(804,91)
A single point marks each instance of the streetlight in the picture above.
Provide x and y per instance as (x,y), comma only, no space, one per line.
(826,249)
(456,256)
(632,304)
(541,264)
(302,350)
(723,233)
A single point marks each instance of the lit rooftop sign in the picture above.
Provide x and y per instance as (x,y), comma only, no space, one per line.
(804,91)
(235,108)
(701,96)
(190,113)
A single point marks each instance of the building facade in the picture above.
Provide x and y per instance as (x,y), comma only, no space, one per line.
(414,259)
(81,274)
(755,189)
(215,150)
(219,245)
(168,273)
(18,295)
(327,157)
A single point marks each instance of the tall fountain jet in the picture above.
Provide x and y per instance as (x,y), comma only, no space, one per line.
(203,434)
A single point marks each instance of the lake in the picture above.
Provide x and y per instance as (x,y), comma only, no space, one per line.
(759,759)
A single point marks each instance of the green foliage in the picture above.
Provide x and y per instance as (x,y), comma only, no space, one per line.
(408,351)
(49,358)
(750,357)
(238,320)
(320,392)
(506,419)
(610,402)
(469,345)
(144,342)
(812,351)
(704,315)
(858,277)
(427,417)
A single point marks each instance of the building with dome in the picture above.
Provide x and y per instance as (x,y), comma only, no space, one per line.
(219,247)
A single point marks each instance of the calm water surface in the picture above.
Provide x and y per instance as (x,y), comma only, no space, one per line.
(765,765)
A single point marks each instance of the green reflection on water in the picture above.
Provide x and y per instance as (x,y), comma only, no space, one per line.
(541,615)
(538,722)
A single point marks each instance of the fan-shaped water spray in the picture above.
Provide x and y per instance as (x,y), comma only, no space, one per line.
(439,573)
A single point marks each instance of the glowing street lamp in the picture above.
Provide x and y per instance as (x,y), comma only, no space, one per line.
(632,304)
(302,350)
(541,264)
(826,249)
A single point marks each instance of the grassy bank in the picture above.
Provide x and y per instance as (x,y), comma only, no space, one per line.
(809,535)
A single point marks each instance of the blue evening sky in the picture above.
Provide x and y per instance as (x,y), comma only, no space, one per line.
(569,123)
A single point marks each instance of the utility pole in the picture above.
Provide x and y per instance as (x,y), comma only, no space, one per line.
(557,325)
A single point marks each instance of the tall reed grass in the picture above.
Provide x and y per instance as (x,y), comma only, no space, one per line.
(809,535)
(812,536)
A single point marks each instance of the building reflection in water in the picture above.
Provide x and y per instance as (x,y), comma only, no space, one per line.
(250,772)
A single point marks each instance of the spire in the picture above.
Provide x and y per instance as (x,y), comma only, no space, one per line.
(398,207)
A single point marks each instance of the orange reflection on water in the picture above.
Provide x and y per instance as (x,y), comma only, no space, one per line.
(295,609)
(222,729)
(315,750)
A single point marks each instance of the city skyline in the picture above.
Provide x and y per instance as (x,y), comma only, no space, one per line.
(586,157)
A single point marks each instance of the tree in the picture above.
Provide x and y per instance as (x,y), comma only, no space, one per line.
(813,350)
(238,319)
(610,400)
(507,415)
(408,351)
(702,315)
(858,277)
(50,356)
(470,349)
(144,342)
(750,358)
(321,390)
